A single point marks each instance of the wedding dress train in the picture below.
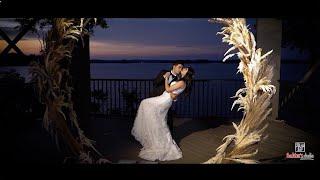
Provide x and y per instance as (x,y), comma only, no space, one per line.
(151,130)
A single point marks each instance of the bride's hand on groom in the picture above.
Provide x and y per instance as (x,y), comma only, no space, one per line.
(166,75)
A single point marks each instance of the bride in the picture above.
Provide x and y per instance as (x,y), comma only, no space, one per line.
(150,127)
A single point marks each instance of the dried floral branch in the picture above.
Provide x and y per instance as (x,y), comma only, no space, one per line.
(254,99)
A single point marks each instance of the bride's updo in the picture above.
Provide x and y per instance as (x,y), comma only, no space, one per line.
(188,79)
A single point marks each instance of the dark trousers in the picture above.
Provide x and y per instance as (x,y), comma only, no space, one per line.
(170,120)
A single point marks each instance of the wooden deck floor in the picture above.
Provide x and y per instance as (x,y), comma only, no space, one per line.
(197,140)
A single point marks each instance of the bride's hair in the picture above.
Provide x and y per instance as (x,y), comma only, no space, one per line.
(188,79)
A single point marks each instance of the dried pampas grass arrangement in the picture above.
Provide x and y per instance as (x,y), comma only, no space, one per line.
(54,86)
(254,99)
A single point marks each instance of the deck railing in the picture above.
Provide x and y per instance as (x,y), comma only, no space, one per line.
(209,97)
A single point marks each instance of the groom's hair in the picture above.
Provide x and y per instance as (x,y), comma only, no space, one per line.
(178,62)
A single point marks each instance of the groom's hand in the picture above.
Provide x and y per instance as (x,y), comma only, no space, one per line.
(173,96)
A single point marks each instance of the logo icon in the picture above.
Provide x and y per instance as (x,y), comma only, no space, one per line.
(300,147)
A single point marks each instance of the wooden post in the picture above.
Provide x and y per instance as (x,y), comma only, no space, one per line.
(80,71)
(269,34)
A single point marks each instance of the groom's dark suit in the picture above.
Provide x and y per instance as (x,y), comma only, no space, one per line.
(159,88)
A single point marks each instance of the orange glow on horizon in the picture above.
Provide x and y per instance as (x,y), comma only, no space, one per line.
(125,49)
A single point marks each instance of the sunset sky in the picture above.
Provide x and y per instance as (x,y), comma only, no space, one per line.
(157,39)
(147,38)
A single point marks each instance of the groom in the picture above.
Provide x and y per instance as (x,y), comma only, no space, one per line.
(159,88)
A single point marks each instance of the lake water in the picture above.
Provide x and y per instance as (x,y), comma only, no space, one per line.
(293,72)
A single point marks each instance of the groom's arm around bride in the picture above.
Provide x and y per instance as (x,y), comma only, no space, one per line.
(158,84)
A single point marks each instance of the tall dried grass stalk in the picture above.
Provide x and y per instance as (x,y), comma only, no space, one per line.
(254,99)
(54,86)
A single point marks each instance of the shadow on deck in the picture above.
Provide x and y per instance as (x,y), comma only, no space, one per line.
(198,140)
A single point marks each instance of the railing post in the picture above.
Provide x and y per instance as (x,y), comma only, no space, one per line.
(269,34)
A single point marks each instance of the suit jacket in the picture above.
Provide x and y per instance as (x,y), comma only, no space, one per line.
(158,84)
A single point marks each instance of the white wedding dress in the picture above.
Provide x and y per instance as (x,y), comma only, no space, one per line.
(151,130)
